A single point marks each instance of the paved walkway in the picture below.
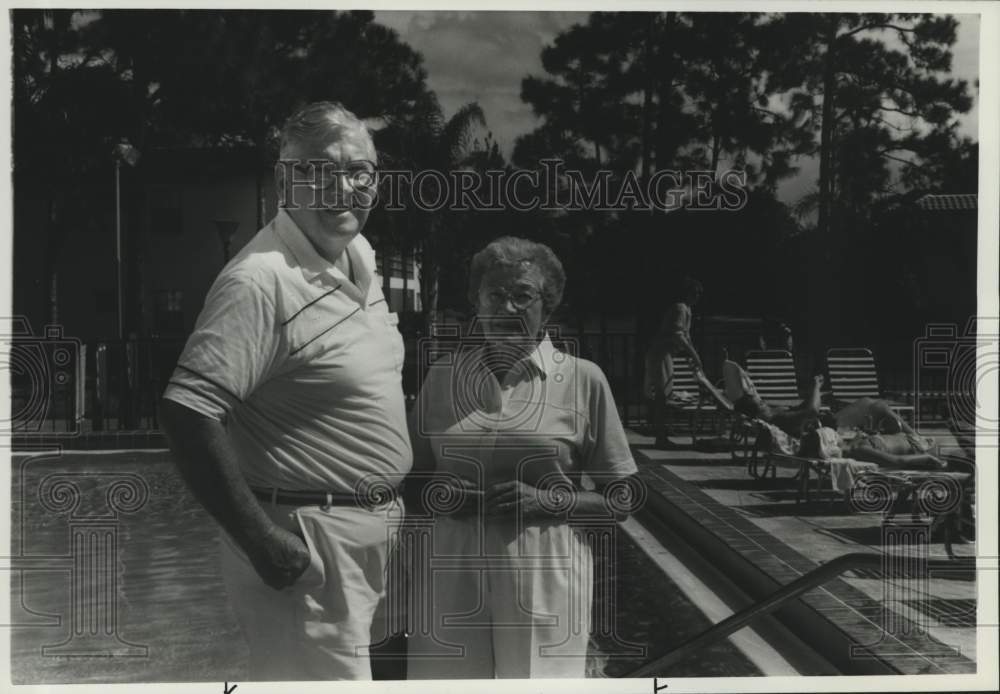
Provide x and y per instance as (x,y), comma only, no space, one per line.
(822,529)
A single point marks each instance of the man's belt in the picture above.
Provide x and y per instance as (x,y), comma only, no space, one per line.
(372,499)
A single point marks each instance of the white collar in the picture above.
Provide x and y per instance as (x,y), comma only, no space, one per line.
(311,263)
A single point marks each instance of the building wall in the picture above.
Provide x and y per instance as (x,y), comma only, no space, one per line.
(28,281)
(180,243)
(85,264)
(169,214)
(186,253)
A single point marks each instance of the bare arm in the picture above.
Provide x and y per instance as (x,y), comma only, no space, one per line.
(677,325)
(207,462)
(687,347)
(532,502)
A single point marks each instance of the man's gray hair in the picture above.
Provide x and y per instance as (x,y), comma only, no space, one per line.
(512,251)
(319,120)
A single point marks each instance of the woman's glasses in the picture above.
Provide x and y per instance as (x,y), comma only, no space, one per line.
(520,299)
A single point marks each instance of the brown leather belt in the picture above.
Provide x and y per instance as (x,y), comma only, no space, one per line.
(325,499)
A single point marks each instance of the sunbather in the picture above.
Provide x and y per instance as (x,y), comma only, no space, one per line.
(792,420)
(899,451)
(882,437)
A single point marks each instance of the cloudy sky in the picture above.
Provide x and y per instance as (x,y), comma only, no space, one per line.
(483,56)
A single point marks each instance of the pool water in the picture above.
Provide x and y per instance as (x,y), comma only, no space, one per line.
(171,600)
(651,610)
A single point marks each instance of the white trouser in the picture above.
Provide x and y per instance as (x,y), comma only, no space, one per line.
(320,628)
(497,601)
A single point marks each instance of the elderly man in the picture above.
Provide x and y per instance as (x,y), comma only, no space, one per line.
(286,409)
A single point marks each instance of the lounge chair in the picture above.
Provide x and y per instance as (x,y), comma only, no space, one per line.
(865,487)
(853,376)
(773,375)
(689,397)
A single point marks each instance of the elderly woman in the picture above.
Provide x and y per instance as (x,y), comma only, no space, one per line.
(521,441)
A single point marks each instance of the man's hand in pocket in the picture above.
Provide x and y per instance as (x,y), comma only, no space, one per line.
(280,558)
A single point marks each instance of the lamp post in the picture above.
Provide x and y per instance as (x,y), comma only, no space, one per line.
(122,152)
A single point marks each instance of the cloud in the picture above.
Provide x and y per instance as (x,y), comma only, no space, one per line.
(965,65)
(482,56)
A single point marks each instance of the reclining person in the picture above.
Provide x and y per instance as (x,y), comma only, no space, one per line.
(748,402)
(885,439)
(902,450)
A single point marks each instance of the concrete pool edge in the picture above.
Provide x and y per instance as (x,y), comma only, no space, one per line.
(767,631)
(830,620)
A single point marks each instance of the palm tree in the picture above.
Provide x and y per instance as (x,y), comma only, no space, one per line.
(428,141)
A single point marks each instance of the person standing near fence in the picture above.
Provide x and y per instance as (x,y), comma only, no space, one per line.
(286,414)
(674,339)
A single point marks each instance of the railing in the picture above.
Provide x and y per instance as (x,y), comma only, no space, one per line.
(620,356)
(123,379)
(45,379)
(779,598)
(129,376)
(104,385)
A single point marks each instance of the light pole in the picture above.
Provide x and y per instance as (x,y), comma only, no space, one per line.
(123,152)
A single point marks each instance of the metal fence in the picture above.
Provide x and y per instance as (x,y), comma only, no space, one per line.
(117,384)
(104,385)
(128,378)
(620,356)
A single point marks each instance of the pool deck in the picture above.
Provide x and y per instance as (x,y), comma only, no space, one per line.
(761,521)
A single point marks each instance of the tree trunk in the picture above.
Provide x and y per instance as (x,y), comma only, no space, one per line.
(404,256)
(259,197)
(716,151)
(647,98)
(387,251)
(53,312)
(826,131)
(53,240)
(431,272)
(430,278)
(822,289)
(135,249)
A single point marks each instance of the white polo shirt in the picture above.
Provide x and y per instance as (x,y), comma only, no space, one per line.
(552,414)
(303,366)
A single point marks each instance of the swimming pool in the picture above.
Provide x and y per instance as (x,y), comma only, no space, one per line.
(171,620)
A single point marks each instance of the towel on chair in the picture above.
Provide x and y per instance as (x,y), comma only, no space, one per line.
(681,398)
(845,471)
(777,440)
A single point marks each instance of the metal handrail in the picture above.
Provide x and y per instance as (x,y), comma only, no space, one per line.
(816,577)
